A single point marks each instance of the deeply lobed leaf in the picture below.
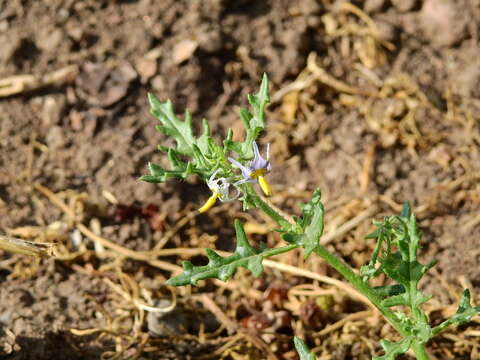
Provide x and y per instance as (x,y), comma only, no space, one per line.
(309,227)
(202,150)
(464,314)
(220,267)
(392,349)
(254,122)
(400,233)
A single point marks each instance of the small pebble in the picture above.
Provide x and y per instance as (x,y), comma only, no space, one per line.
(55,138)
(443,22)
(3,25)
(52,110)
(183,50)
(146,68)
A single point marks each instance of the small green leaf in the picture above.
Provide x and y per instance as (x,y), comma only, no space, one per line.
(465,310)
(303,350)
(376,234)
(309,227)
(406,210)
(160,175)
(464,314)
(389,290)
(223,268)
(255,265)
(383,234)
(254,122)
(392,349)
(396,300)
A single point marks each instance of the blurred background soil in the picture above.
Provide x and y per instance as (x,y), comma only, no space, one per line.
(375,102)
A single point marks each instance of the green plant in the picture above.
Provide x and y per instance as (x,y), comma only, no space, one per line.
(398,237)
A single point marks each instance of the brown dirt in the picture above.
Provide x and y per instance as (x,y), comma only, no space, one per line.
(404,125)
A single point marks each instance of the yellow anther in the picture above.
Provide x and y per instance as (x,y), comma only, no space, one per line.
(258,173)
(209,203)
(267,190)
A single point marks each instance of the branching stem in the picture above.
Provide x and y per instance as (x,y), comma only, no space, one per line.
(345,270)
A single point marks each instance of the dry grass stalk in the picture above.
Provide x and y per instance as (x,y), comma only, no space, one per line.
(18,84)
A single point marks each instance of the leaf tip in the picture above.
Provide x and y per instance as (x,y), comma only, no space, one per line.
(406,210)
(264,87)
(302,349)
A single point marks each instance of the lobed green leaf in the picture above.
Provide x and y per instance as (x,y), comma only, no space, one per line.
(202,151)
(400,233)
(172,126)
(223,268)
(254,122)
(464,314)
(158,174)
(309,227)
(384,235)
(392,349)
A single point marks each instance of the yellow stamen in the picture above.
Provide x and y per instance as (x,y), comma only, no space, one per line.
(258,173)
(209,203)
(267,190)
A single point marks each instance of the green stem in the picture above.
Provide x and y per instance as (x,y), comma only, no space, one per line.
(361,286)
(442,326)
(419,350)
(267,209)
(278,251)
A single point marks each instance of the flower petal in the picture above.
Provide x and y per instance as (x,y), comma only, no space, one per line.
(245,170)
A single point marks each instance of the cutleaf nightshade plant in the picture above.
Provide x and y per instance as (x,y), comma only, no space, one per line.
(235,170)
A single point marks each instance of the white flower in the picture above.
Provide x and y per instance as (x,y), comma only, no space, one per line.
(220,188)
